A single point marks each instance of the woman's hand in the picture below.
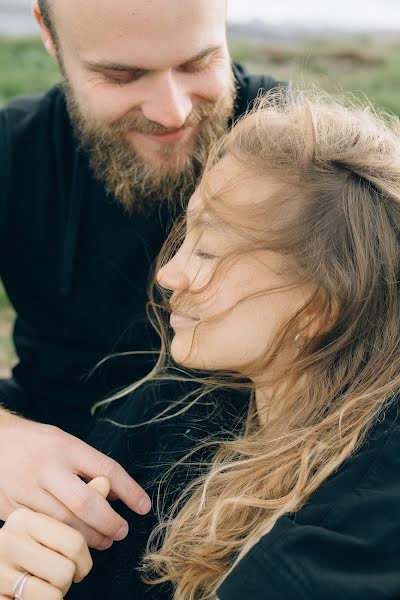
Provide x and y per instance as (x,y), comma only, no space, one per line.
(53,553)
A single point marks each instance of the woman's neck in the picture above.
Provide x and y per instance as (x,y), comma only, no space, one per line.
(270,400)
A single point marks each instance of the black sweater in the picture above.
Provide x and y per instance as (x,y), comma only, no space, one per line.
(343,544)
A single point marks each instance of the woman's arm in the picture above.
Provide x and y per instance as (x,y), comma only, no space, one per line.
(53,553)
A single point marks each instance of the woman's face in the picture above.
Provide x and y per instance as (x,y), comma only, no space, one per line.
(225,316)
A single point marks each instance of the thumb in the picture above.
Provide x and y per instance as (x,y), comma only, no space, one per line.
(101,485)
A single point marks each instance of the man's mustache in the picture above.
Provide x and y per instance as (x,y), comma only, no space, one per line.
(140,124)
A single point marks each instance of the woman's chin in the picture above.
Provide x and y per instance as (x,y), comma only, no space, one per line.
(180,352)
(184,355)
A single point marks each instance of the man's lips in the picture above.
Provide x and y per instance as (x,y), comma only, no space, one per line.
(182,320)
(168,137)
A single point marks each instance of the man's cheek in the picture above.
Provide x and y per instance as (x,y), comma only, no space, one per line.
(212,84)
(101,101)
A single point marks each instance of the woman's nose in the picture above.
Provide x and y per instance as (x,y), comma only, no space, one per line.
(172,276)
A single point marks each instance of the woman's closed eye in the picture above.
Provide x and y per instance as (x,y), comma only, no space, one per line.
(204,255)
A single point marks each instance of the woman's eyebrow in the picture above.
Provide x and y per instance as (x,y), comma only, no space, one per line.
(206,222)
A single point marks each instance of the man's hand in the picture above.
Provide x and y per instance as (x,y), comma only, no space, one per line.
(41,468)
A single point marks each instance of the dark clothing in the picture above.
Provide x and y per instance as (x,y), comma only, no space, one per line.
(147,452)
(74,265)
(343,544)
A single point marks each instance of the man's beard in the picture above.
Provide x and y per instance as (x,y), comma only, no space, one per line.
(135,183)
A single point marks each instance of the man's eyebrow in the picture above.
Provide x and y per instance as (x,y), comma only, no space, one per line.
(105,65)
(203,54)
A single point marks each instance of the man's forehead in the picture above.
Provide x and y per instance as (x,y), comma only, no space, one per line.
(142,25)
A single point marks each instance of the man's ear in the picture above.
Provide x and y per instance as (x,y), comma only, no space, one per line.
(45,34)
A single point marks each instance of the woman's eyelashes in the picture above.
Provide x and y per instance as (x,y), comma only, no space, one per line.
(204,255)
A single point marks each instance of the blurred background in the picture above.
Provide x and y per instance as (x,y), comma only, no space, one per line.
(340,45)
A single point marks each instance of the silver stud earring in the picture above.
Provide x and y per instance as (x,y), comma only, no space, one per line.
(299,341)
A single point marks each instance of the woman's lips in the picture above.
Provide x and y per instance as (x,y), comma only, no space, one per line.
(182,320)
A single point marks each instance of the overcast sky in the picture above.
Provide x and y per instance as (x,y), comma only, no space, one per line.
(364,14)
(352,13)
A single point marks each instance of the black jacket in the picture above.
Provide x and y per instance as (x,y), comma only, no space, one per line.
(344,544)
(74,265)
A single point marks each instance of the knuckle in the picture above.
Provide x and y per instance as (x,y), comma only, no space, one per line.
(61,515)
(88,567)
(7,542)
(19,515)
(94,539)
(107,467)
(89,564)
(79,504)
(54,430)
(65,575)
(78,544)
(49,433)
(69,572)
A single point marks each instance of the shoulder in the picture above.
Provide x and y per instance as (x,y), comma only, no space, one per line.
(24,114)
(32,129)
(345,542)
(250,85)
(36,138)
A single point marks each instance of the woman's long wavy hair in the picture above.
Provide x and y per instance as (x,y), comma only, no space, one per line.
(338,224)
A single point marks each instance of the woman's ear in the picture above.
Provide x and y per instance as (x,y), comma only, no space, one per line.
(45,34)
(319,318)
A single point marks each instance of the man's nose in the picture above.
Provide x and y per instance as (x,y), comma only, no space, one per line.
(170,103)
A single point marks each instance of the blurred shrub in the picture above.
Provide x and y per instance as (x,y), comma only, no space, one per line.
(25,67)
(362,66)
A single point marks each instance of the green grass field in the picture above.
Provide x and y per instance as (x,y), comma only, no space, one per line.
(359,65)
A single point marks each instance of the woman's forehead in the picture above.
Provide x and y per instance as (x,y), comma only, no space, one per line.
(233,192)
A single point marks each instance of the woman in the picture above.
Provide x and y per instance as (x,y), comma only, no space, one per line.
(282,287)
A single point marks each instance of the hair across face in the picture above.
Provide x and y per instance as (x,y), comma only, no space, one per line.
(333,218)
(229,294)
(296,197)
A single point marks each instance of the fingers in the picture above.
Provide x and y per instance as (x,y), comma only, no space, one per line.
(43,563)
(92,463)
(47,504)
(86,504)
(34,589)
(101,485)
(52,535)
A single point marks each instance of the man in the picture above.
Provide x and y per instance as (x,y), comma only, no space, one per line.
(91,176)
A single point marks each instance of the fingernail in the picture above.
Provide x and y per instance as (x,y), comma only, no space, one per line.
(122,533)
(144,506)
(106,544)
